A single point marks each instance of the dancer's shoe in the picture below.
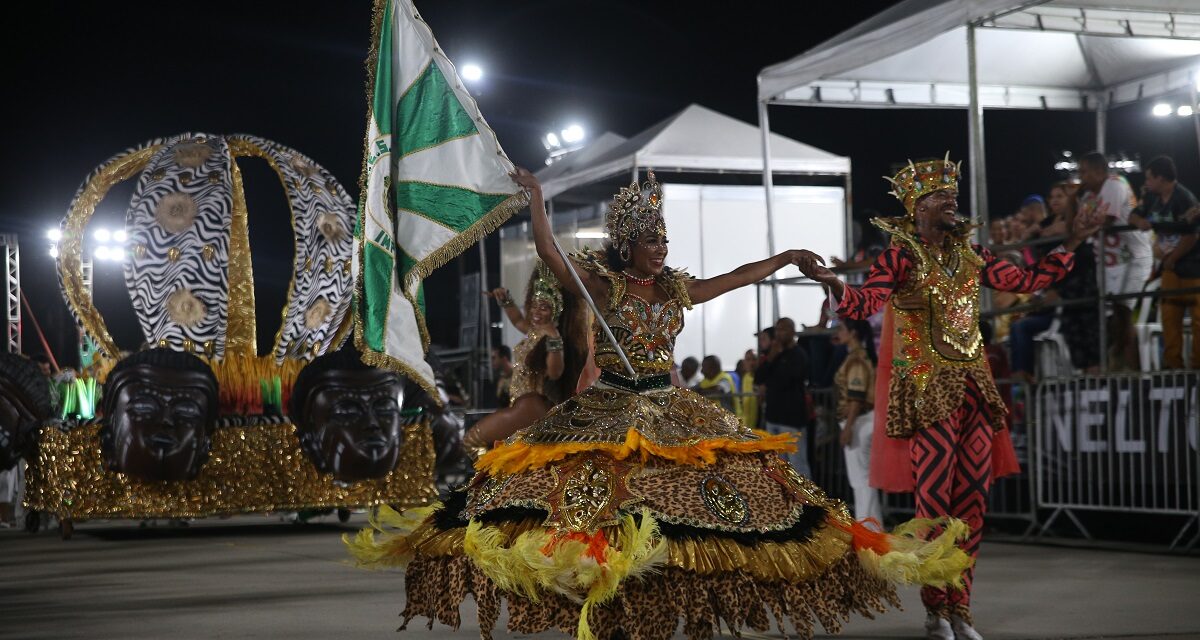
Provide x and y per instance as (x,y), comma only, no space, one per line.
(963,629)
(938,628)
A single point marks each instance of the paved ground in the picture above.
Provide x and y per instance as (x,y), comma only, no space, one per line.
(255,577)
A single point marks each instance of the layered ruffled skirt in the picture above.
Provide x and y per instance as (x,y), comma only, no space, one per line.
(625,513)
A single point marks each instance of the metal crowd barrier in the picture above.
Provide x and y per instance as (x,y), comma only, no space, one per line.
(1125,443)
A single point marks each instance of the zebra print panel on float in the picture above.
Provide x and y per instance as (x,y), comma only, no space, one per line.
(178,228)
(323,223)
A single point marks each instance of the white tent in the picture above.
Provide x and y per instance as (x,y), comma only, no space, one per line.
(977,54)
(695,139)
(717,223)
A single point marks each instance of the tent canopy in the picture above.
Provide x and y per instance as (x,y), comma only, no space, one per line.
(1056,54)
(695,139)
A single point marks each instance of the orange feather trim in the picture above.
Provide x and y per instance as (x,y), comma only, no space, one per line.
(519,456)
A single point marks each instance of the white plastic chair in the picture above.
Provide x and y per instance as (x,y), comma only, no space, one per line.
(1053,356)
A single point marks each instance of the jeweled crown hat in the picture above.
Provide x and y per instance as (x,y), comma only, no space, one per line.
(635,211)
(546,288)
(920,179)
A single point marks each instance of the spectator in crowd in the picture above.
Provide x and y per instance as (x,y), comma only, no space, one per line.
(689,372)
(715,383)
(1127,255)
(749,395)
(1080,324)
(783,371)
(1007,232)
(502,367)
(1037,221)
(766,338)
(855,382)
(1164,200)
(1062,208)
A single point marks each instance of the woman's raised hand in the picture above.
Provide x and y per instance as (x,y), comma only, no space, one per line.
(526,179)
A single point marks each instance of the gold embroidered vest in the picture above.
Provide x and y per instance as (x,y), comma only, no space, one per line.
(937,344)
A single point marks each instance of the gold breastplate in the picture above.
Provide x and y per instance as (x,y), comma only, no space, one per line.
(646,332)
(937,311)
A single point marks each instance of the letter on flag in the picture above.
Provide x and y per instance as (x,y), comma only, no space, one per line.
(434,182)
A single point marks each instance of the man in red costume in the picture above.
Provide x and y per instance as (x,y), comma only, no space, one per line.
(942,406)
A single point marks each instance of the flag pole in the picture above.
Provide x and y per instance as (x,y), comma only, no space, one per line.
(595,311)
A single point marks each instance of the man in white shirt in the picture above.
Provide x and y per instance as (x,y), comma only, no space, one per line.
(1128,257)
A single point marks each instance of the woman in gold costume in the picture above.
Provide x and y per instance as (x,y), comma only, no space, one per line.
(636,504)
(546,362)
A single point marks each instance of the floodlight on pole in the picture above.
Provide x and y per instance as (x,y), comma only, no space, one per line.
(54,235)
(551,141)
(573,134)
(102,235)
(1184,111)
(1162,110)
(472,72)
(54,251)
(119,236)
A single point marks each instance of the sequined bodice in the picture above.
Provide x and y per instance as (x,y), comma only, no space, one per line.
(646,332)
(524,378)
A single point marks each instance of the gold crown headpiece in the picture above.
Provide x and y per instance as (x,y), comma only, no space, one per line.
(634,213)
(920,179)
(545,287)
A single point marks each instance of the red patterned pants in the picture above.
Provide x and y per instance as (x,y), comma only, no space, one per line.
(952,465)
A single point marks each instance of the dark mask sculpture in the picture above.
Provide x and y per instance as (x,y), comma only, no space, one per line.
(24,406)
(161,409)
(347,416)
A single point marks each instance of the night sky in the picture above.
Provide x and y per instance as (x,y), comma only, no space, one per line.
(92,79)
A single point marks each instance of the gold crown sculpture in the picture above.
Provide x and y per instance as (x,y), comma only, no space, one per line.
(920,179)
(634,213)
(190,279)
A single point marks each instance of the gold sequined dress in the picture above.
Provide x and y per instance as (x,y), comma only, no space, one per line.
(526,379)
(635,505)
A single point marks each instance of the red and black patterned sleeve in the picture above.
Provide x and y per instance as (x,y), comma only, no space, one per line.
(890,269)
(1003,275)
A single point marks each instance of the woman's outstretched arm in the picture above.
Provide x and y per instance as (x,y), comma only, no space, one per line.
(709,288)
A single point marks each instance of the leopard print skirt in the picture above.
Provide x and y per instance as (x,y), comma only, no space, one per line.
(653,608)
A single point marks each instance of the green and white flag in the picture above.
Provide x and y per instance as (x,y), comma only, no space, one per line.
(435,181)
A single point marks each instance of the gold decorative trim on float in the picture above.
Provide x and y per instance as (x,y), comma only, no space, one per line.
(117,169)
(250,470)
(241,328)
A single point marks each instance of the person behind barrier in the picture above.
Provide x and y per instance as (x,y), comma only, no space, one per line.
(784,373)
(1127,254)
(855,383)
(1164,200)
(715,383)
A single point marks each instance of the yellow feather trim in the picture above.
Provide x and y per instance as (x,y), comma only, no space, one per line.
(397,544)
(937,562)
(540,561)
(516,457)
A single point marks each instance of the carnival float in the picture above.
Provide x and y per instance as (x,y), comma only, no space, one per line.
(197,422)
